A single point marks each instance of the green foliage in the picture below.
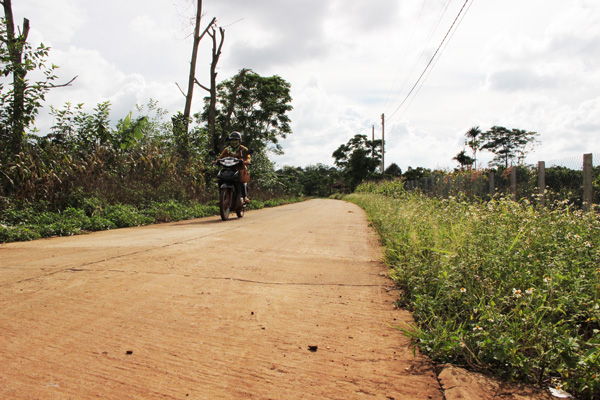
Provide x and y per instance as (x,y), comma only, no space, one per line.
(181,135)
(500,286)
(254,105)
(358,159)
(76,129)
(413,174)
(29,222)
(17,234)
(388,188)
(473,140)
(129,131)
(393,171)
(314,180)
(20,103)
(257,204)
(562,184)
(508,145)
(135,163)
(174,211)
(463,159)
(125,216)
(290,179)
(317,180)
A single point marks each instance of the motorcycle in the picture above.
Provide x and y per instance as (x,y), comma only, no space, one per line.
(230,190)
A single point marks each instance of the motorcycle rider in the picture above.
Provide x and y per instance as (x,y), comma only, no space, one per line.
(235,149)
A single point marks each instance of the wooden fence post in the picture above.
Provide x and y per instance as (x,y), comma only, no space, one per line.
(445,182)
(588,193)
(513,182)
(542,182)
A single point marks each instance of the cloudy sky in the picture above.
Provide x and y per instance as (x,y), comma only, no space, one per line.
(527,64)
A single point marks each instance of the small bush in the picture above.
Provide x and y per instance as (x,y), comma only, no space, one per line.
(125,216)
(205,210)
(17,234)
(27,223)
(99,223)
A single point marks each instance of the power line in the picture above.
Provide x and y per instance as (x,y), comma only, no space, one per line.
(440,56)
(387,101)
(431,32)
(430,61)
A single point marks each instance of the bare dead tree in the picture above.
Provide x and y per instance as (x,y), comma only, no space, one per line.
(212,107)
(192,78)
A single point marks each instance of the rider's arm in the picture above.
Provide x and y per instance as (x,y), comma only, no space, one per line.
(247,157)
(223,155)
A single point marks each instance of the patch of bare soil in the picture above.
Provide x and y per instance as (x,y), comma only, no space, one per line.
(285,303)
(459,384)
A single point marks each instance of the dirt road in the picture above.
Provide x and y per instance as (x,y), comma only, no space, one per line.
(286,303)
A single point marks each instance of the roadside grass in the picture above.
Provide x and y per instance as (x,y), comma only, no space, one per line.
(501,287)
(30,222)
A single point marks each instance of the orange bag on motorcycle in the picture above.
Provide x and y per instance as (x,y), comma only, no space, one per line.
(244,176)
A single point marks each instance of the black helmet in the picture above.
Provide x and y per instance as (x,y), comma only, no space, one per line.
(235,136)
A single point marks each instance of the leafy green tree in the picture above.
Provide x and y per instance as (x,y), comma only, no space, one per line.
(20,104)
(358,159)
(508,145)
(290,178)
(393,171)
(263,175)
(255,106)
(84,132)
(413,174)
(314,180)
(79,129)
(318,179)
(463,159)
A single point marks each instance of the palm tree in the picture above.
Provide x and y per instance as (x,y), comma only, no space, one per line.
(474,142)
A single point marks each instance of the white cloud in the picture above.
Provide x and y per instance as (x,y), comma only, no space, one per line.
(46,23)
(99,80)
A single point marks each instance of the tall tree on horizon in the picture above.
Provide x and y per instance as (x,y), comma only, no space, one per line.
(254,105)
(508,145)
(358,159)
(473,140)
(463,159)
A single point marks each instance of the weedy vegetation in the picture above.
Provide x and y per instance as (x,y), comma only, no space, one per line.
(34,221)
(503,287)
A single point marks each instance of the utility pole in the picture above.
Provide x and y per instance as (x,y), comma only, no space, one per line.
(382,144)
(373,140)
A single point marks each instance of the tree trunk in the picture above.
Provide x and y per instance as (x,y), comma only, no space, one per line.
(192,78)
(212,110)
(15,47)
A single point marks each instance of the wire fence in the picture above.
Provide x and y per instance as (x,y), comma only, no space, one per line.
(573,180)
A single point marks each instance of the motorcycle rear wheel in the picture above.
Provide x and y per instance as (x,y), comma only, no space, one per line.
(240,212)
(226,198)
